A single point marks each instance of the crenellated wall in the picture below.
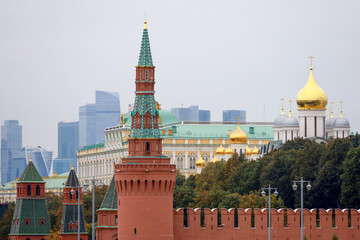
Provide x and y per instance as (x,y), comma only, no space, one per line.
(187,224)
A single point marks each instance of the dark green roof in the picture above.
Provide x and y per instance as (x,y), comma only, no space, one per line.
(145,59)
(30,174)
(72,180)
(97,145)
(34,210)
(110,200)
(70,215)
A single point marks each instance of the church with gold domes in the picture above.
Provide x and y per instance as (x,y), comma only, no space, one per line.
(312,121)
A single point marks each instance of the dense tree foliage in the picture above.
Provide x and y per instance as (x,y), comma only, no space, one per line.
(333,167)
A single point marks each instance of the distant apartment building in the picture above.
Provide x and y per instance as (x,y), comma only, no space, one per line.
(191,114)
(11,145)
(41,157)
(233,115)
(95,118)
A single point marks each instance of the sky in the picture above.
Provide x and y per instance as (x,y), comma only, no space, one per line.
(219,55)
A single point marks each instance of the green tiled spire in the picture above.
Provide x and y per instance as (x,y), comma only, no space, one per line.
(30,174)
(110,199)
(145,59)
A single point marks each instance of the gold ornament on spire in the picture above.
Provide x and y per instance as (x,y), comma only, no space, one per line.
(311,62)
(145,24)
(30,159)
(311,96)
(341,108)
(238,136)
(72,166)
(332,109)
(282,105)
(290,102)
(158,105)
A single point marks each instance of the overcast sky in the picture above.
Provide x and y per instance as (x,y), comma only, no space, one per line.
(216,54)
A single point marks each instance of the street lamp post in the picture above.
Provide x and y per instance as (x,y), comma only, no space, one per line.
(78,197)
(100,184)
(269,207)
(308,187)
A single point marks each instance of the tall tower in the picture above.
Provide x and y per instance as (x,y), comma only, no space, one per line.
(311,101)
(145,180)
(31,219)
(70,218)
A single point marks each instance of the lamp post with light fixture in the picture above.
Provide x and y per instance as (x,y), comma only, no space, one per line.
(269,206)
(308,187)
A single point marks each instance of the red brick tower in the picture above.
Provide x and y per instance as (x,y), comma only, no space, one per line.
(145,180)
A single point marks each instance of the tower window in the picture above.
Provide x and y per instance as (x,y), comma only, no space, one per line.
(140,75)
(146,75)
(147,146)
(37,190)
(116,219)
(27,221)
(42,221)
(29,190)
(135,231)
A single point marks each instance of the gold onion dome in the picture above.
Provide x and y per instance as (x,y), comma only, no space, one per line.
(311,96)
(248,151)
(220,150)
(229,150)
(214,160)
(200,162)
(238,136)
(255,151)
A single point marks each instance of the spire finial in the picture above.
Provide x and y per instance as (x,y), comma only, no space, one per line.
(341,108)
(238,119)
(72,166)
(30,159)
(311,62)
(282,106)
(332,109)
(290,102)
(145,22)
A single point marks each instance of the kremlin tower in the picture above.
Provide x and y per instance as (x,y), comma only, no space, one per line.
(145,180)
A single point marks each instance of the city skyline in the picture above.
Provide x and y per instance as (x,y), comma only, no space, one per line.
(262,62)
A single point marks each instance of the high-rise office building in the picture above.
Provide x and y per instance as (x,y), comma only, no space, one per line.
(87,125)
(233,115)
(107,107)
(11,144)
(40,156)
(68,139)
(191,114)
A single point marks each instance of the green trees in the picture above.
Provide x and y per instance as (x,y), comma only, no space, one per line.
(333,168)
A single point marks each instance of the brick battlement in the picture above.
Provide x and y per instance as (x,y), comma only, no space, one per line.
(242,224)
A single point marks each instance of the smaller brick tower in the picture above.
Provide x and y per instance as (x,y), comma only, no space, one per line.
(70,220)
(107,215)
(31,218)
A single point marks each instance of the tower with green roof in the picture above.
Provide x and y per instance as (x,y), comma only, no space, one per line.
(70,220)
(31,218)
(107,214)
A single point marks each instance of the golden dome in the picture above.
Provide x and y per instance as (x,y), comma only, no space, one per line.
(214,159)
(248,151)
(238,136)
(200,162)
(255,151)
(311,96)
(229,150)
(220,150)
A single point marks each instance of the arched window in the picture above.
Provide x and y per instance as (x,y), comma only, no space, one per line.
(180,161)
(42,221)
(37,190)
(71,226)
(140,75)
(29,190)
(27,221)
(192,160)
(146,75)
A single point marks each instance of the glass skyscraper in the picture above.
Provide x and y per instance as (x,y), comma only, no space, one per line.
(87,125)
(11,144)
(107,112)
(68,139)
(232,115)
(191,114)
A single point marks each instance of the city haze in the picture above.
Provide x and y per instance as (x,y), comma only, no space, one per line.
(216,54)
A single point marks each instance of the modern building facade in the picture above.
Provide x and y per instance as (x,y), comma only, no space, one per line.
(62,165)
(68,139)
(107,108)
(11,145)
(41,157)
(87,124)
(233,115)
(191,114)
